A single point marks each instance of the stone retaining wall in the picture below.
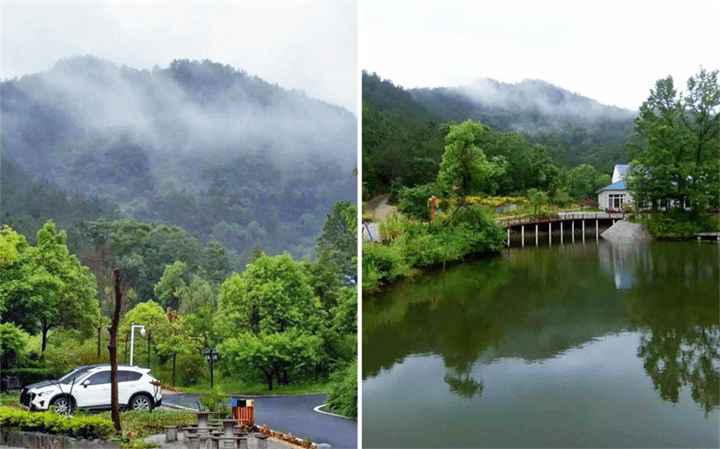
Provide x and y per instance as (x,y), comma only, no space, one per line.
(38,440)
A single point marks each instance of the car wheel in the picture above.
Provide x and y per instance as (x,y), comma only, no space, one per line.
(141,402)
(63,405)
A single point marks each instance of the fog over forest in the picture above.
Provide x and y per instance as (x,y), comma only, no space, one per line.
(202,145)
(552,106)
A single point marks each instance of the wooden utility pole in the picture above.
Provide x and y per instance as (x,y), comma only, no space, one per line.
(112,348)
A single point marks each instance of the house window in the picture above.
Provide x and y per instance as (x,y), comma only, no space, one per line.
(616,200)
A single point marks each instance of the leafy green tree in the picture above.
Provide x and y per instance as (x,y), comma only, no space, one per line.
(12,344)
(343,397)
(528,166)
(538,199)
(198,303)
(151,315)
(272,295)
(9,243)
(464,168)
(272,354)
(172,280)
(415,201)
(216,262)
(48,287)
(702,119)
(338,240)
(180,338)
(561,197)
(582,182)
(677,156)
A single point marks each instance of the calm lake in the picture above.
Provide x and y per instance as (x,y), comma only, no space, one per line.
(581,345)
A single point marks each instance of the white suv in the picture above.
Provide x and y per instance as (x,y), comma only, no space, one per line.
(88,387)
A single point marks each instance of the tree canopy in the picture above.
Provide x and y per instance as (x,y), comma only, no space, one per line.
(464,168)
(677,153)
(47,286)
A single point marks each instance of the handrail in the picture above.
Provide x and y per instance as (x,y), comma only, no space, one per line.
(565,217)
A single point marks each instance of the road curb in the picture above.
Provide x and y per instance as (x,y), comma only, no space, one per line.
(317,409)
(178,407)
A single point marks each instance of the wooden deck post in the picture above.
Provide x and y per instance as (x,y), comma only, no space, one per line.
(550,232)
(522,235)
(561,232)
(597,227)
(536,235)
(583,230)
(573,230)
(508,236)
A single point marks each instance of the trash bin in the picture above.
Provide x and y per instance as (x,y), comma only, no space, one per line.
(243,410)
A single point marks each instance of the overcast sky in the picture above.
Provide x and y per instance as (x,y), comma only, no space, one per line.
(311,46)
(611,51)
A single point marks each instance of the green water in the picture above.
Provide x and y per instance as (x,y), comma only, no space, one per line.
(595,345)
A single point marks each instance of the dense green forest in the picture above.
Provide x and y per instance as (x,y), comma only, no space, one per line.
(534,125)
(223,154)
(279,322)
(224,201)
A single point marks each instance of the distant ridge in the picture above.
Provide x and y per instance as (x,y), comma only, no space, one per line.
(528,106)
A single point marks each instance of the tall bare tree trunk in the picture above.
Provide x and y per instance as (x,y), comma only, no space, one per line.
(112,348)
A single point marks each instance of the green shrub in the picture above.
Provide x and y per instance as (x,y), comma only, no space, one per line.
(190,368)
(343,397)
(145,423)
(85,426)
(29,376)
(470,231)
(51,422)
(414,201)
(393,226)
(215,401)
(382,263)
(12,345)
(679,224)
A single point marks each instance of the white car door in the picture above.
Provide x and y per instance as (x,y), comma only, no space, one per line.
(93,391)
(127,385)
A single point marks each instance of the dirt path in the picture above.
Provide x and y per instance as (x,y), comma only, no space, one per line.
(379,207)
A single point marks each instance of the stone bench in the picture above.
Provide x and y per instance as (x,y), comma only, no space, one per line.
(221,442)
(171,433)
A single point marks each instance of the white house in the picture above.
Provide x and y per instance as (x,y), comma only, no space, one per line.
(616,194)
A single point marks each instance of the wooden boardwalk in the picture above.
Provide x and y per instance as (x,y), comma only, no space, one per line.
(708,236)
(562,216)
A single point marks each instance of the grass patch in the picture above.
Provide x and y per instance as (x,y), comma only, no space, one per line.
(143,423)
(233,386)
(412,245)
(6,399)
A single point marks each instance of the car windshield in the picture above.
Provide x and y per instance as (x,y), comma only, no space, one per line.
(74,374)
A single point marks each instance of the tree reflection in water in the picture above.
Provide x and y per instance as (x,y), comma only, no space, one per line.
(674,302)
(464,385)
(539,303)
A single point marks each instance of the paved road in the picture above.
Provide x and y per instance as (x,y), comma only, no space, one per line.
(292,415)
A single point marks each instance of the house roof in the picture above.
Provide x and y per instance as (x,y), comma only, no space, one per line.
(620,185)
(622,169)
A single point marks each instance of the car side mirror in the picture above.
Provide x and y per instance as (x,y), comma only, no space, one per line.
(86,383)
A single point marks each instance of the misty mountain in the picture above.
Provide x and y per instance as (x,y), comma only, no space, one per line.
(402,137)
(529,106)
(200,145)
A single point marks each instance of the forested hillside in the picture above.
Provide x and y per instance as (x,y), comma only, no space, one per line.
(403,129)
(223,154)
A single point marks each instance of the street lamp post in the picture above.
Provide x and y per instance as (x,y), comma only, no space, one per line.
(132,338)
(211,356)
